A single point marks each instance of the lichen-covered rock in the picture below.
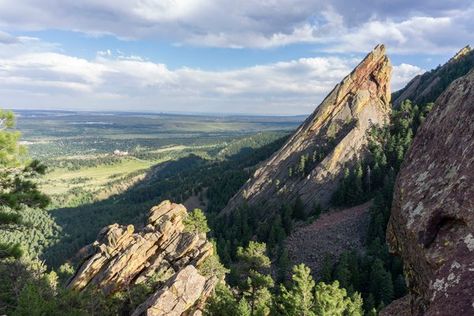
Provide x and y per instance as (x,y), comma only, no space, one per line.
(123,256)
(329,139)
(432,221)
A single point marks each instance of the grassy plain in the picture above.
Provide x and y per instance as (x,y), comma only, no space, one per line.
(61,180)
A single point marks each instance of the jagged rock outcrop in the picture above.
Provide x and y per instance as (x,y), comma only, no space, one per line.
(428,86)
(328,140)
(163,250)
(432,221)
(181,293)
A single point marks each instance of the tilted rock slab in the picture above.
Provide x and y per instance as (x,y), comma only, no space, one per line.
(338,124)
(122,256)
(432,222)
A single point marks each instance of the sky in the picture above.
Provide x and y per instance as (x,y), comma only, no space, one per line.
(278,57)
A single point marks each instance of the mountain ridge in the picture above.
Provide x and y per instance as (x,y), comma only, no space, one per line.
(429,85)
(327,141)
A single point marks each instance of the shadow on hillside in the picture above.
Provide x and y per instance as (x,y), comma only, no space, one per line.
(80,225)
(174,180)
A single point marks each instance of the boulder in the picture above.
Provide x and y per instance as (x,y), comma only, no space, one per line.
(179,295)
(432,220)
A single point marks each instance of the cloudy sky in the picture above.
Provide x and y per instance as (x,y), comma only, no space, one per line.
(212,56)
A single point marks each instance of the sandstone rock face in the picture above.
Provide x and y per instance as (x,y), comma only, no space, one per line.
(432,221)
(330,138)
(162,249)
(428,86)
(182,292)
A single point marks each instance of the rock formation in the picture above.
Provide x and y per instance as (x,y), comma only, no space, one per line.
(428,86)
(432,220)
(163,250)
(327,141)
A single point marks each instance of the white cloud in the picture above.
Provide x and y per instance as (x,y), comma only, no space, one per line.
(419,34)
(406,25)
(403,73)
(39,78)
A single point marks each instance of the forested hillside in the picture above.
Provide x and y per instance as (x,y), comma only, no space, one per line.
(427,87)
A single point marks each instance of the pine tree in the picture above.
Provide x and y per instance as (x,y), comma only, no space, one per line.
(253,267)
(381,283)
(222,302)
(326,270)
(196,221)
(354,305)
(354,267)
(17,188)
(299,299)
(298,209)
(317,210)
(342,272)
(286,217)
(332,300)
(302,165)
(277,233)
(358,185)
(368,179)
(369,303)
(283,264)
(243,309)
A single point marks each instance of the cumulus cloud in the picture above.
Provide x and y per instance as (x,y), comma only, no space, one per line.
(403,73)
(258,24)
(419,34)
(42,78)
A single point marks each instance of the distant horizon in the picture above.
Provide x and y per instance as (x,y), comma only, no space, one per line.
(157,113)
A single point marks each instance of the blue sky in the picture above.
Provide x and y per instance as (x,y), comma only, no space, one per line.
(262,57)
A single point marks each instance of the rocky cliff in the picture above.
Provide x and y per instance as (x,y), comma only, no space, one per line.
(432,220)
(309,164)
(164,250)
(428,86)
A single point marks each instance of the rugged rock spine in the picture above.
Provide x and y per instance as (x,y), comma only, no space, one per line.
(122,257)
